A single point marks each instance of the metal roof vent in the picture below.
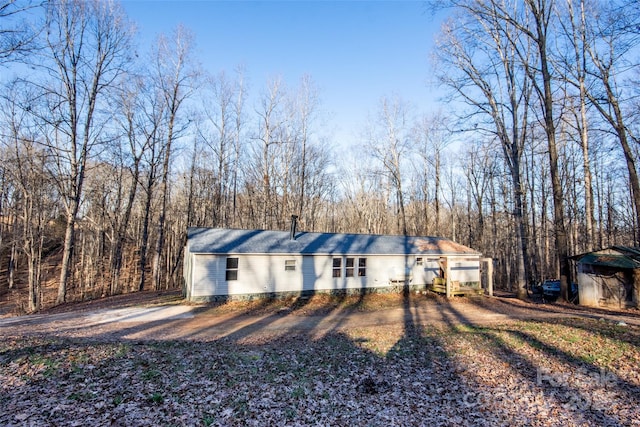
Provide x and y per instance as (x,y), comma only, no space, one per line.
(294,223)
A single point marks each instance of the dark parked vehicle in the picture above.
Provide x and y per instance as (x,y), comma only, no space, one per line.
(551,288)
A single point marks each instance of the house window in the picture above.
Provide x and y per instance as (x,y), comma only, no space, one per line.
(232,269)
(290,265)
(362,267)
(337,267)
(419,260)
(349,267)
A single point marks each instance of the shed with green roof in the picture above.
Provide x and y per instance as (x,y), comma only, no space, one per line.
(609,277)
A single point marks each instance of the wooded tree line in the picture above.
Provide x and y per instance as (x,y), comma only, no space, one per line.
(111,150)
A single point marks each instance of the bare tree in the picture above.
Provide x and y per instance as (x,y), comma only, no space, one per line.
(221,143)
(480,46)
(25,162)
(139,115)
(272,119)
(433,137)
(454,183)
(479,167)
(366,193)
(390,140)
(175,76)
(537,31)
(610,55)
(575,72)
(306,106)
(16,35)
(87,48)
(221,134)
(151,161)
(238,111)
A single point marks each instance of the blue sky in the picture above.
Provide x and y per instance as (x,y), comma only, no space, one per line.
(355,51)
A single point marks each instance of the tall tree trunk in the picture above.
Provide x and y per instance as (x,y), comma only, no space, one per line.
(437,192)
(521,232)
(34,262)
(558,197)
(116,257)
(13,257)
(403,215)
(144,245)
(633,181)
(536,257)
(172,59)
(157,258)
(614,116)
(588,186)
(67,252)
(540,10)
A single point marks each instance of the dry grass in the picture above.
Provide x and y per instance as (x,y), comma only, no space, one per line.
(564,372)
(319,304)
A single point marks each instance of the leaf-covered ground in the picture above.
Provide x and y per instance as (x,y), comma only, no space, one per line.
(561,372)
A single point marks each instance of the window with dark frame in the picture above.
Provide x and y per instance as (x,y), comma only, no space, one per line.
(349,267)
(362,267)
(337,267)
(419,260)
(290,265)
(232,269)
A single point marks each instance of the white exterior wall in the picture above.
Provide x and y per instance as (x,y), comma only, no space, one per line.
(205,274)
(206,279)
(425,273)
(588,290)
(463,270)
(318,274)
(187,273)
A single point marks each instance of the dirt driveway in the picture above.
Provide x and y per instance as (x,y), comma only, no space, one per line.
(175,320)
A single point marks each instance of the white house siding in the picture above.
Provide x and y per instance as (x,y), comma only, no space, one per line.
(317,272)
(187,273)
(380,269)
(465,270)
(264,273)
(208,276)
(424,274)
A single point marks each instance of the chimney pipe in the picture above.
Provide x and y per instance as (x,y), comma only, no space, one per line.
(294,223)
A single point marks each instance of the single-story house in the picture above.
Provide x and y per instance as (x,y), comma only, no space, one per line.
(609,277)
(224,263)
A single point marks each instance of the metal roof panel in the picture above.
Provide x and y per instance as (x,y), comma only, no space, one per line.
(610,260)
(222,240)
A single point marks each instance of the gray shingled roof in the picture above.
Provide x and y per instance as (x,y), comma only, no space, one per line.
(233,241)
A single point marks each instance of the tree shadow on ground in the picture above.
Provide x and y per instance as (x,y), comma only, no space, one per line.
(561,313)
(517,349)
(425,375)
(299,378)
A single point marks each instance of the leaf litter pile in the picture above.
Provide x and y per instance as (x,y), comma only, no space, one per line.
(545,373)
